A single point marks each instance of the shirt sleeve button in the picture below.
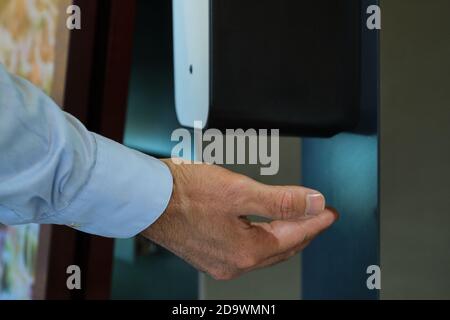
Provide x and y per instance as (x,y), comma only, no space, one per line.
(74,225)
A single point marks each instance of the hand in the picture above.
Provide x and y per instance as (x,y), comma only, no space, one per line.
(205,222)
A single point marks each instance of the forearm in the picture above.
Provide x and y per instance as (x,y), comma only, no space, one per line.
(53,170)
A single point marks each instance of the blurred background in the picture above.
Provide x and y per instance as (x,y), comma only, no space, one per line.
(389,179)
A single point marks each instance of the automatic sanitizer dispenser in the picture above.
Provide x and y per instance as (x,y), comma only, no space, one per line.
(285,64)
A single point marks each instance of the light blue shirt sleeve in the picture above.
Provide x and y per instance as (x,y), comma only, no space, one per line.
(54,171)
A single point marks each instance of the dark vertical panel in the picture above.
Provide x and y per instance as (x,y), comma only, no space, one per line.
(96,93)
(106,116)
(345,169)
(80,62)
(62,240)
(51,274)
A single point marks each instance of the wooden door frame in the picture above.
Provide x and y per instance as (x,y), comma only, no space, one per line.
(96,92)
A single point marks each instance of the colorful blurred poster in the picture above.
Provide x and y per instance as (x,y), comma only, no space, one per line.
(28,31)
(18,247)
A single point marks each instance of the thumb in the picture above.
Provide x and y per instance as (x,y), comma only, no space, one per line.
(284,202)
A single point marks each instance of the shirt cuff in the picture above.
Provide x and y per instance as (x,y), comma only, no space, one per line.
(126,193)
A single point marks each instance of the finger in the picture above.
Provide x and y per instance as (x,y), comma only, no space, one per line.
(278,259)
(284,256)
(284,202)
(286,236)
